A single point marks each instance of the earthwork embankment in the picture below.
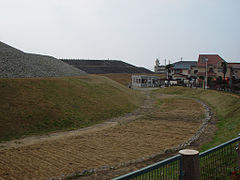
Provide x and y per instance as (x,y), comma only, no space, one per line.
(160,124)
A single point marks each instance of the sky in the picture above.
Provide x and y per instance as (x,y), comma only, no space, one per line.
(135,31)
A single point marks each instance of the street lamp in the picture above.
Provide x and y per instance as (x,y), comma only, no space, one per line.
(206,60)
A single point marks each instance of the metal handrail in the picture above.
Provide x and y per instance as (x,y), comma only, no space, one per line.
(148,168)
(173,159)
(202,154)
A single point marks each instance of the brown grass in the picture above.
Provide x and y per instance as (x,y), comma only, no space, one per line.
(109,146)
(118,144)
(179,108)
(226,106)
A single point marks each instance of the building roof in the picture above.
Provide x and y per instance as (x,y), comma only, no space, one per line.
(146,76)
(212,59)
(184,64)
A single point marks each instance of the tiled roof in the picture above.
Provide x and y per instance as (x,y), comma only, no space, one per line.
(212,59)
(184,64)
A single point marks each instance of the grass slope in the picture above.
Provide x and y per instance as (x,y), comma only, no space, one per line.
(40,105)
(226,106)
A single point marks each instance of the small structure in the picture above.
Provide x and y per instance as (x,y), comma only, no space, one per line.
(160,69)
(142,81)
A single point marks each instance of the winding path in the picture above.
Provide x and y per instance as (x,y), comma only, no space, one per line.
(149,130)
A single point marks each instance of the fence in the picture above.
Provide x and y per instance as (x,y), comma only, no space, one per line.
(219,162)
(216,163)
(169,168)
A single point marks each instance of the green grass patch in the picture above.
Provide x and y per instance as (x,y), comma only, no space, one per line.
(226,106)
(40,105)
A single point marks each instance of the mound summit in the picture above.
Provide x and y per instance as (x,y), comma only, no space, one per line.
(18,64)
(105,66)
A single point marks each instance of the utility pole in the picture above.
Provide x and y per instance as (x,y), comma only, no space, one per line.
(206,60)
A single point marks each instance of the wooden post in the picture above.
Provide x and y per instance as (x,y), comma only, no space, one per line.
(190,164)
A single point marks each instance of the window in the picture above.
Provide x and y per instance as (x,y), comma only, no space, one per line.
(203,59)
(178,70)
(211,70)
(220,69)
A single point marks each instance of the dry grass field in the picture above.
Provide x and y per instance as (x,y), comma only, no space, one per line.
(154,129)
(225,105)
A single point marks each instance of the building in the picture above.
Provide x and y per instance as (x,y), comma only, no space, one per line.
(193,72)
(235,70)
(183,70)
(212,67)
(160,69)
(145,81)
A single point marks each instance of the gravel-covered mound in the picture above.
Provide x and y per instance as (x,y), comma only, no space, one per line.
(105,66)
(17,64)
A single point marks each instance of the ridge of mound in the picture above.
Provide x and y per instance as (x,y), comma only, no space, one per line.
(105,66)
(17,64)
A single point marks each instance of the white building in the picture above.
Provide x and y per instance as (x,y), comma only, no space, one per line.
(159,68)
(145,81)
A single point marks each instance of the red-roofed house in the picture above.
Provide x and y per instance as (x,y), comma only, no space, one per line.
(214,65)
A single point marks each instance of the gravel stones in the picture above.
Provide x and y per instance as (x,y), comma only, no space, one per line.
(17,64)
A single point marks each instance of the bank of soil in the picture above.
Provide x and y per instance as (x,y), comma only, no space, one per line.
(149,130)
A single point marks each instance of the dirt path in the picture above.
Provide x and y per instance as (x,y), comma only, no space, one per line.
(30,140)
(151,129)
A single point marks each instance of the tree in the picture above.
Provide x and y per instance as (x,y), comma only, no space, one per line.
(168,68)
(224,70)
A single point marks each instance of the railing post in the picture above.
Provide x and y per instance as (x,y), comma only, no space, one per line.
(190,164)
(238,155)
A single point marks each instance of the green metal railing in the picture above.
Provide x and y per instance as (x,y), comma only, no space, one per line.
(216,163)
(166,169)
(220,161)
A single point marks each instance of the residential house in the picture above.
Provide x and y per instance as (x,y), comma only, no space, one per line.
(193,71)
(183,70)
(235,70)
(212,67)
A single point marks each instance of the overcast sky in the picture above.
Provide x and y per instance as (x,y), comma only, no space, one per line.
(135,31)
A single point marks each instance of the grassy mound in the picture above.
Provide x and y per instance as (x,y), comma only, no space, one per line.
(226,106)
(40,105)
